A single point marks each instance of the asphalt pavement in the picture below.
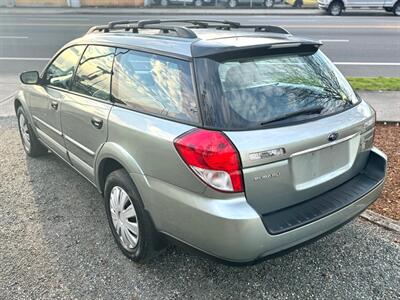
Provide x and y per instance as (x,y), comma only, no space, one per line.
(56,244)
(359,45)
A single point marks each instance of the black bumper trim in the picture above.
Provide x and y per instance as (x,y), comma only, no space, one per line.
(329,202)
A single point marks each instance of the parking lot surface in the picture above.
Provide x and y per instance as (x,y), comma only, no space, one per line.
(55,243)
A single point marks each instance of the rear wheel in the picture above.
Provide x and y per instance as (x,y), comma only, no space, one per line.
(269,3)
(164,3)
(335,8)
(396,9)
(198,3)
(232,3)
(130,224)
(32,146)
(388,9)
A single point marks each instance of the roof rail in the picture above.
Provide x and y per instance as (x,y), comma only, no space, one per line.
(182,31)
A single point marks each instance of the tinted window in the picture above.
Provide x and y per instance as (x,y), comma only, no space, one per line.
(156,84)
(258,91)
(61,70)
(93,77)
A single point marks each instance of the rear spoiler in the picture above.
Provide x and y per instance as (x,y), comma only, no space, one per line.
(230,52)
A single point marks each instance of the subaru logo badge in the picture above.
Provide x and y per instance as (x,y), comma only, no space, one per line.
(333,136)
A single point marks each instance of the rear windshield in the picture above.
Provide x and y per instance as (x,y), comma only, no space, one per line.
(257,92)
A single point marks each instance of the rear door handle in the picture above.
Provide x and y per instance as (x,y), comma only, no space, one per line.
(54,105)
(96,122)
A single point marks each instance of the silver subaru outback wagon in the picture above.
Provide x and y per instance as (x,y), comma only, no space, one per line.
(240,141)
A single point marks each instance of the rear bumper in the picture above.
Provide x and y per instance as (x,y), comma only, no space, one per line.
(231,230)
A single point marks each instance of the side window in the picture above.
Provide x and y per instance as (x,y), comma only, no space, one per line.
(93,76)
(155,84)
(61,71)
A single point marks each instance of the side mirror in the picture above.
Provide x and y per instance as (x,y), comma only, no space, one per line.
(30,77)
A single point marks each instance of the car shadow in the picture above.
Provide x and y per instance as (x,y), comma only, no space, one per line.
(76,231)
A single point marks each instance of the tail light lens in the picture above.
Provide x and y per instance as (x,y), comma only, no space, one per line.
(368,133)
(213,158)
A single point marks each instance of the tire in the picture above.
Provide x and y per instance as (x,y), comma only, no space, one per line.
(396,9)
(198,3)
(147,238)
(164,3)
(335,8)
(388,9)
(269,3)
(232,3)
(32,146)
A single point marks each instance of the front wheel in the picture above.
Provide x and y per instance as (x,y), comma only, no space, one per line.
(198,3)
(130,224)
(269,3)
(32,146)
(335,8)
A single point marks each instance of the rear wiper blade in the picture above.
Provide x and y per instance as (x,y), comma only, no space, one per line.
(304,111)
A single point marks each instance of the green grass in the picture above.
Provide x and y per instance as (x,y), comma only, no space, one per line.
(375,83)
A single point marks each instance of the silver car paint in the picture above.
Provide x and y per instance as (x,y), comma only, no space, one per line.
(301,177)
(221,224)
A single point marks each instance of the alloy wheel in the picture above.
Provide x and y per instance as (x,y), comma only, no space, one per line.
(124,218)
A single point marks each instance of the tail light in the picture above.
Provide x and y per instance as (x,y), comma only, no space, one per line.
(368,133)
(213,158)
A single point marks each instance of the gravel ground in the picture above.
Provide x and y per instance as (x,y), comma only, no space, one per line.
(55,243)
(387,138)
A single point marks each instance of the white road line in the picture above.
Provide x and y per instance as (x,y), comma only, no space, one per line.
(58,19)
(334,41)
(24,58)
(367,63)
(13,37)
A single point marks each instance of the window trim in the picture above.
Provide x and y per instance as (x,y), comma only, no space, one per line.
(59,52)
(188,59)
(109,100)
(268,126)
(198,123)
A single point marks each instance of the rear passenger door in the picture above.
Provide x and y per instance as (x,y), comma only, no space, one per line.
(85,109)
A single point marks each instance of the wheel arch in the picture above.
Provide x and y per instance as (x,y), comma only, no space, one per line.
(338,1)
(110,158)
(20,101)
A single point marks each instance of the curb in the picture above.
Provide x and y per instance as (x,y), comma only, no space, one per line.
(381,220)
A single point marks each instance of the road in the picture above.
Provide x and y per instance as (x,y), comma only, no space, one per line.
(359,45)
(56,244)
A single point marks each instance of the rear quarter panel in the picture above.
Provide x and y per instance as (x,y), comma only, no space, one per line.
(143,144)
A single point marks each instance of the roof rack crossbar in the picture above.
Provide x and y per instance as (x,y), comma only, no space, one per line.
(112,24)
(267,28)
(182,31)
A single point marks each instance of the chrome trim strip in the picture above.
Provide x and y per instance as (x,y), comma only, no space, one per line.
(324,145)
(80,146)
(48,126)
